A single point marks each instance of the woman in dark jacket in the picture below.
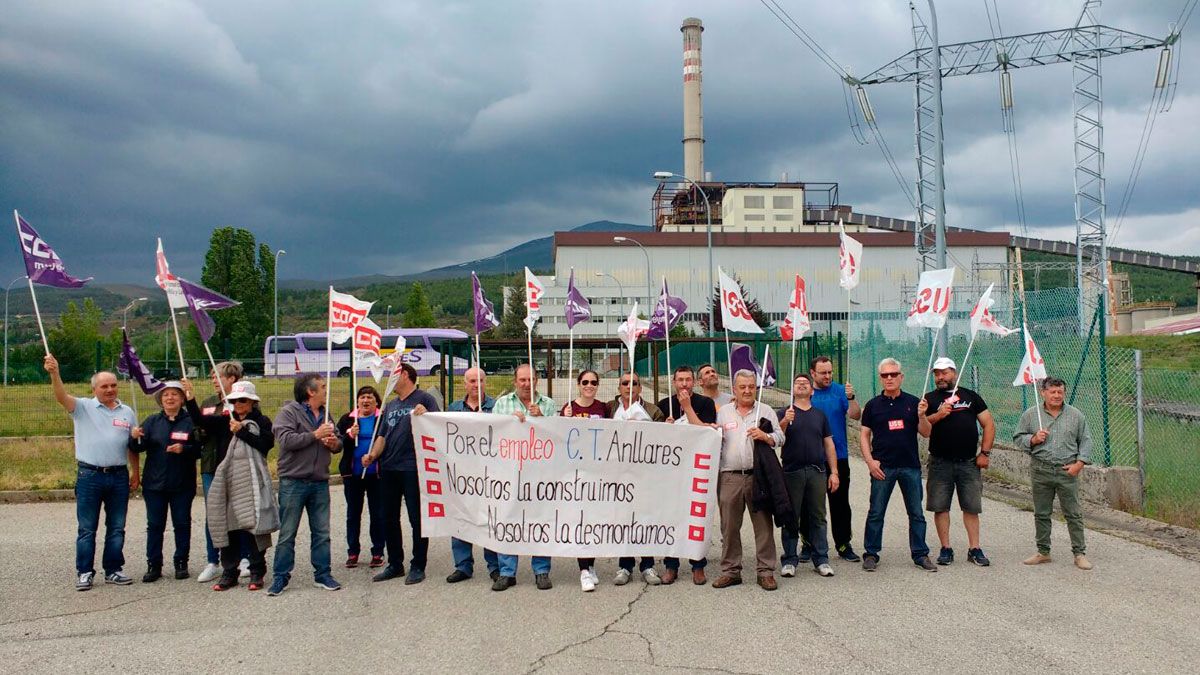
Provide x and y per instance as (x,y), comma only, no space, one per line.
(358,428)
(223,427)
(168,440)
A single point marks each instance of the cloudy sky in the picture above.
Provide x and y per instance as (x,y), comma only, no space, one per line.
(390,137)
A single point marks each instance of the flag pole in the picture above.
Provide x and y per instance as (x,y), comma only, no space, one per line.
(328,350)
(963,366)
(728,360)
(529,346)
(570,366)
(213,363)
(129,376)
(671,375)
(38,313)
(375,428)
(849,305)
(178,343)
(479,365)
(762,381)
(932,351)
(632,368)
(1037,404)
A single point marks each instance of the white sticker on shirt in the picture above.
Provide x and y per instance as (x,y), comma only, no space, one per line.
(209,410)
(730,426)
(122,423)
(895,425)
(179,435)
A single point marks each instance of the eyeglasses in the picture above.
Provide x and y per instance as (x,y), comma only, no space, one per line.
(625,383)
(591,382)
(890,375)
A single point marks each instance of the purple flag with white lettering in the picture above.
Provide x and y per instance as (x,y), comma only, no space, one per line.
(667,312)
(130,365)
(485,313)
(42,264)
(741,357)
(578,307)
(200,301)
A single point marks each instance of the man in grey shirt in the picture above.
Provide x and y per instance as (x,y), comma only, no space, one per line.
(1059,447)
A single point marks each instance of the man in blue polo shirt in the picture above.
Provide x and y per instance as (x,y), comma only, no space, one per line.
(102,425)
(890,424)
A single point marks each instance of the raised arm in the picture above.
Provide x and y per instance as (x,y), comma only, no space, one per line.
(66,400)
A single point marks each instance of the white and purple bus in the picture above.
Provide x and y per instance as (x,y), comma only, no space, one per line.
(286,355)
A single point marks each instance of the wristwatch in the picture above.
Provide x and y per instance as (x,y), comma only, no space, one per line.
(850,397)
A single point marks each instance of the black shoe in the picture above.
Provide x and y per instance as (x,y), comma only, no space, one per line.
(153,574)
(388,573)
(494,575)
(543,582)
(846,552)
(925,563)
(946,556)
(181,570)
(457,576)
(976,556)
(415,576)
(870,562)
(503,583)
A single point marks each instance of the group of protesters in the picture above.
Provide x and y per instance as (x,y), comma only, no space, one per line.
(783,466)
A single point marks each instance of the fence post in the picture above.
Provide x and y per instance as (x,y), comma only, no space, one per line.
(841,357)
(1138,412)
(1103,320)
(654,354)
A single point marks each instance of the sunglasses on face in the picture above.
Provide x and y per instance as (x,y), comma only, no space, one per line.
(591,382)
(625,383)
(888,376)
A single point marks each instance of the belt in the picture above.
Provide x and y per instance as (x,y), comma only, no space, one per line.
(744,472)
(102,469)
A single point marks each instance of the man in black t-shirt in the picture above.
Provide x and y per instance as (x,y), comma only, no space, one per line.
(809,469)
(888,440)
(953,464)
(687,407)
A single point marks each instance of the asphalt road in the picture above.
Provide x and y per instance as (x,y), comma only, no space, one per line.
(1136,611)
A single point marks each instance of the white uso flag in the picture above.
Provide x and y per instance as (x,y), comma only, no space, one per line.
(1033,366)
(734,314)
(167,281)
(932,305)
(534,288)
(849,259)
(368,339)
(345,312)
(632,328)
(982,319)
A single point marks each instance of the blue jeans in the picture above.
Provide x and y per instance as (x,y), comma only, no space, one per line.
(296,496)
(180,503)
(94,489)
(508,564)
(909,479)
(464,561)
(214,558)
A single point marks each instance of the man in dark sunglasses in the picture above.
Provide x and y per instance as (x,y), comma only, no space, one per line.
(890,424)
(629,404)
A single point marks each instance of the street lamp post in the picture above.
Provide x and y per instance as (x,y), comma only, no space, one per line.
(125,312)
(662,177)
(275,336)
(620,360)
(649,283)
(6,292)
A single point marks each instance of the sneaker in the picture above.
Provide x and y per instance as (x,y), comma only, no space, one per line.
(117,578)
(244,568)
(975,555)
(946,556)
(227,582)
(595,577)
(457,576)
(211,571)
(153,574)
(846,551)
(256,582)
(870,563)
(415,576)
(1082,562)
(84,582)
(789,570)
(376,561)
(389,572)
(181,569)
(622,577)
(1037,559)
(925,563)
(651,577)
(351,561)
(542,581)
(277,586)
(825,570)
(503,583)
(326,582)
(585,581)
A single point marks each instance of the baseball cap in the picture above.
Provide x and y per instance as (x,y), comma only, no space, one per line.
(944,363)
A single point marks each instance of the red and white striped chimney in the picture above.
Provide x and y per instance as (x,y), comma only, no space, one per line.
(693,111)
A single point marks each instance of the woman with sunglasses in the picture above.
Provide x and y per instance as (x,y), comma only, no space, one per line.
(586,405)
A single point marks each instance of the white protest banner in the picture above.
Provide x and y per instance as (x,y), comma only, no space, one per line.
(734,313)
(932,304)
(572,487)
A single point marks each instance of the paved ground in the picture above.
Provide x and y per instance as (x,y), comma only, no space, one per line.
(1135,612)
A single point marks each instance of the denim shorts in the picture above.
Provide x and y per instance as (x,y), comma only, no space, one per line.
(948,475)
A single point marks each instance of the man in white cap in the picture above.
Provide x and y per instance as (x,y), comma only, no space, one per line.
(957,458)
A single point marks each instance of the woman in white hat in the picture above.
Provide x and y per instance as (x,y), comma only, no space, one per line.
(240,504)
(168,441)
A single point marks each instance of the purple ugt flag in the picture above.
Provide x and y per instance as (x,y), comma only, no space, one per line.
(741,357)
(667,312)
(485,313)
(200,301)
(129,364)
(578,307)
(42,264)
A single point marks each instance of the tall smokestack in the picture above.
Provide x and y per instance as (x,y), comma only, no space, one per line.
(693,111)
